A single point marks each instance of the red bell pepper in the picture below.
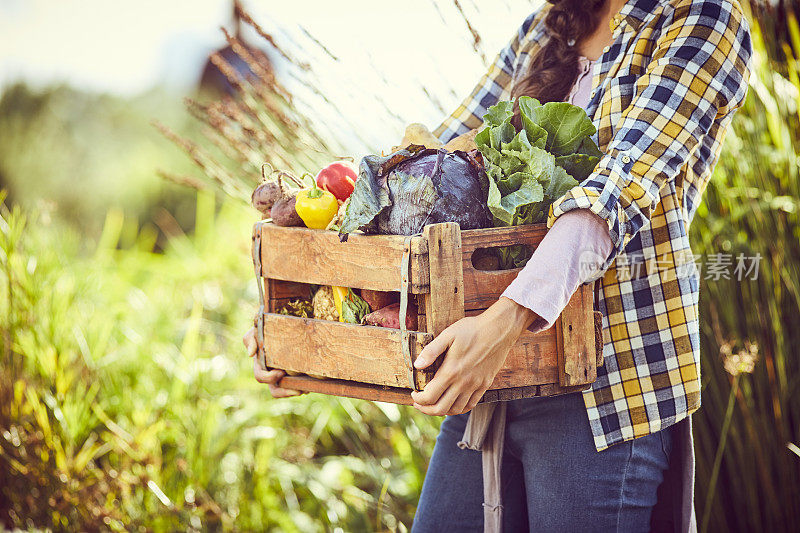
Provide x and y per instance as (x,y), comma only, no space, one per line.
(338,179)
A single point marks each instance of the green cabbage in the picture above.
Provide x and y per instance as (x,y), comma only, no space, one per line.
(531,169)
(528,170)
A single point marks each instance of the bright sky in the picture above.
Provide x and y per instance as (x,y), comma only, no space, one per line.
(388,51)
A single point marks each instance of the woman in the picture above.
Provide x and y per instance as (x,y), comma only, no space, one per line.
(661,80)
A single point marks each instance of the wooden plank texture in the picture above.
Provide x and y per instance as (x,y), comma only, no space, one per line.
(400,396)
(483,288)
(364,261)
(349,389)
(444,305)
(578,350)
(342,351)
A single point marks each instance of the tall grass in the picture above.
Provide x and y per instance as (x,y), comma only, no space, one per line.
(749,427)
(128,402)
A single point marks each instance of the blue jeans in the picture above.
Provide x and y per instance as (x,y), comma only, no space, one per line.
(553,477)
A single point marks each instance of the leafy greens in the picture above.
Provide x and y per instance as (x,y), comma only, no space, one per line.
(529,170)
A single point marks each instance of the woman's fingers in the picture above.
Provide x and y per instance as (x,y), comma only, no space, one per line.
(443,406)
(460,403)
(433,390)
(473,400)
(434,349)
(250,343)
(271,378)
(268,377)
(278,392)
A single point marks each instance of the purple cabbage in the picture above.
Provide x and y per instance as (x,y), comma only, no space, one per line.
(401,193)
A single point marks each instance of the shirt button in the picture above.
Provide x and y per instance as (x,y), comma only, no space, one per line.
(626,159)
(594,92)
(606,49)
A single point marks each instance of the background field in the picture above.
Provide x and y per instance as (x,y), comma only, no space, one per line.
(126,401)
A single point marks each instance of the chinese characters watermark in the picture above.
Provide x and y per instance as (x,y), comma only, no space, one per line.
(712,267)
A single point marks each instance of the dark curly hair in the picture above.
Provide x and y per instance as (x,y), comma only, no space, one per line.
(555,69)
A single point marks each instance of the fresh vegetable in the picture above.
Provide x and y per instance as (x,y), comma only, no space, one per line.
(265,195)
(338,179)
(283,213)
(420,135)
(339,296)
(272,188)
(389,317)
(334,224)
(413,187)
(324,304)
(316,207)
(301,308)
(464,142)
(379,299)
(354,308)
(530,169)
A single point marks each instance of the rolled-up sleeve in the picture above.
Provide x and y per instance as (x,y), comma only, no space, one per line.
(697,76)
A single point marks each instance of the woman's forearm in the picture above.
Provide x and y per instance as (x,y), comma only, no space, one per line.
(569,255)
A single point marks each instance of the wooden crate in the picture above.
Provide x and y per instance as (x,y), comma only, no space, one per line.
(436,268)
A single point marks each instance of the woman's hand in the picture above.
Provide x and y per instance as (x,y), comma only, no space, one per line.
(476,350)
(269,377)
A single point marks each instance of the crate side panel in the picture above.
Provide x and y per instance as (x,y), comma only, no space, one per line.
(317,257)
(336,350)
(578,339)
(349,389)
(533,360)
(483,288)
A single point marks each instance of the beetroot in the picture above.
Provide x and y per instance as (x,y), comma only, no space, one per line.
(265,195)
(284,214)
(389,317)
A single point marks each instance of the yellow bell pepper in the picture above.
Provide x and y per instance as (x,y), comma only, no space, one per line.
(339,296)
(316,207)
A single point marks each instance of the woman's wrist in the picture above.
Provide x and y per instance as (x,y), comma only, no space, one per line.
(517,317)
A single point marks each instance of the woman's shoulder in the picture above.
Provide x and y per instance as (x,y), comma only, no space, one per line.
(703,11)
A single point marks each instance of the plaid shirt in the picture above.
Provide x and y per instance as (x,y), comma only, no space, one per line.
(664,94)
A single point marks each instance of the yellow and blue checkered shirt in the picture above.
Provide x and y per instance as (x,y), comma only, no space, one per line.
(663,96)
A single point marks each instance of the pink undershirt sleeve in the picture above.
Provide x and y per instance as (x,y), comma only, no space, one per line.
(571,253)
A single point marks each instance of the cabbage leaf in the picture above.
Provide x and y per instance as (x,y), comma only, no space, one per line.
(528,170)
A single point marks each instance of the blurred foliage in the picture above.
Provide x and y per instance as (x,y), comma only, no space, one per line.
(128,402)
(748,430)
(778,19)
(73,155)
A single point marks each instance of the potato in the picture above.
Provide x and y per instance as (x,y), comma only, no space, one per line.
(283,213)
(465,142)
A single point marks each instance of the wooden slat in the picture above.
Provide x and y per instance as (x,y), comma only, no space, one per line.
(578,351)
(364,261)
(598,337)
(533,360)
(349,389)
(343,351)
(483,288)
(445,303)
